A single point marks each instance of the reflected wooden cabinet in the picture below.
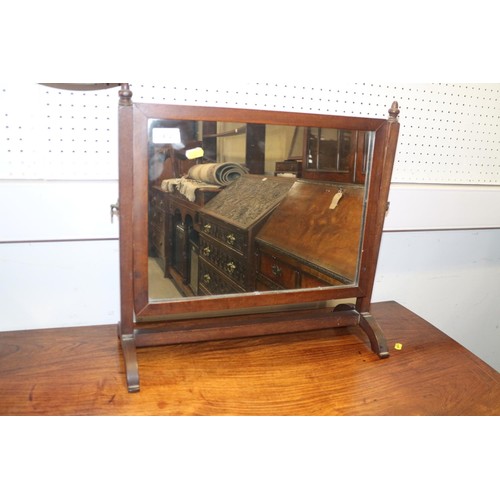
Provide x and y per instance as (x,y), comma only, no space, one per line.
(229,224)
(158,230)
(182,230)
(338,156)
(256,253)
(314,244)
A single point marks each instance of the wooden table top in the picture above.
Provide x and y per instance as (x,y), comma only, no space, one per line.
(79,371)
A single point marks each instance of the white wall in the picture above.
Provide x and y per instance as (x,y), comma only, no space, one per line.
(440,257)
(58,177)
(451,279)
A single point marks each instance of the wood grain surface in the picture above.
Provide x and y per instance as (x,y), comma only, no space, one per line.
(79,371)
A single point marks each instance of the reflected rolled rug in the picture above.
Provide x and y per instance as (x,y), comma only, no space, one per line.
(217,173)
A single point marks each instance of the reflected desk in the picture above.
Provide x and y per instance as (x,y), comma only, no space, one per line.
(79,371)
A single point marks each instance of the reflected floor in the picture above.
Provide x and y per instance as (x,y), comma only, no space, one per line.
(160,287)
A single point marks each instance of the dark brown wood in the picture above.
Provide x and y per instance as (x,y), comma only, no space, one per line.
(172,332)
(210,140)
(143,307)
(323,240)
(372,329)
(229,224)
(126,173)
(130,360)
(158,226)
(255,147)
(380,182)
(134,262)
(80,371)
(345,167)
(182,218)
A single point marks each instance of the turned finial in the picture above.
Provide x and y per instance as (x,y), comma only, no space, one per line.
(125,95)
(394,112)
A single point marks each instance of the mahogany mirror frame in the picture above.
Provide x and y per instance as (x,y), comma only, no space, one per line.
(153,323)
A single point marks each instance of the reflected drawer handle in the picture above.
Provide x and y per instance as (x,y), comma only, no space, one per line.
(276,270)
(231,267)
(207,278)
(207,227)
(206,251)
(230,238)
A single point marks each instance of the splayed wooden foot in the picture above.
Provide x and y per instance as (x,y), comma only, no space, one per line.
(131,366)
(375,335)
(372,330)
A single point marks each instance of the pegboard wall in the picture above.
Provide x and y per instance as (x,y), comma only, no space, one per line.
(47,133)
(450,132)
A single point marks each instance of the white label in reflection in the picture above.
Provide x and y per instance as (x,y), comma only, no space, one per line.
(166,135)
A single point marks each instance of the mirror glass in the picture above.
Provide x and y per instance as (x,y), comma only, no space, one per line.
(245,207)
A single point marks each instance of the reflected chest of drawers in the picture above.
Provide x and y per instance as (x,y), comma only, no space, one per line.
(228,226)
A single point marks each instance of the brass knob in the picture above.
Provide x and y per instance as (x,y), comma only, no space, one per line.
(206,251)
(231,267)
(207,227)
(230,238)
(207,278)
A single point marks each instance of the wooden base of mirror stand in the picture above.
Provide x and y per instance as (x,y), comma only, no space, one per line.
(175,332)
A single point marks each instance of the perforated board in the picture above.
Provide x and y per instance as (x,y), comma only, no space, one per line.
(450,132)
(47,133)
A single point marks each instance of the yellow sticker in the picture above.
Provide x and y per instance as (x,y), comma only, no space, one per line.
(192,154)
(398,346)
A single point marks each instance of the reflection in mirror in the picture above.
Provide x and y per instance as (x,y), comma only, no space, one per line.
(330,149)
(245,207)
